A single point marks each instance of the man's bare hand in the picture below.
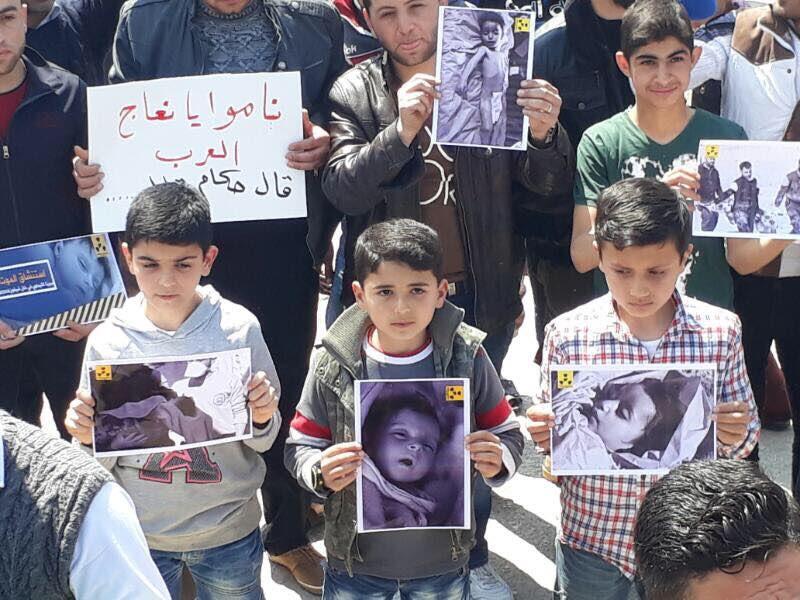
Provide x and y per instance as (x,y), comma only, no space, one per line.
(88,177)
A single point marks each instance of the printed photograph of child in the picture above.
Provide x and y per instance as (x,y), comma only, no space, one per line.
(619,420)
(156,406)
(483,55)
(72,273)
(416,472)
(749,189)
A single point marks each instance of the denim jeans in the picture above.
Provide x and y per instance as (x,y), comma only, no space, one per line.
(228,572)
(340,586)
(585,576)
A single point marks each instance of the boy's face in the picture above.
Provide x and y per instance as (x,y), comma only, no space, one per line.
(621,421)
(407,446)
(81,273)
(491,34)
(400,302)
(168,276)
(641,279)
(659,72)
(406,28)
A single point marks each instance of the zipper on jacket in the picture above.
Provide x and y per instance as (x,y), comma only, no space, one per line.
(6,153)
(14,208)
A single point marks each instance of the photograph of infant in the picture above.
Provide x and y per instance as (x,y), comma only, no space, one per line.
(170,403)
(43,285)
(416,472)
(628,420)
(748,189)
(482,58)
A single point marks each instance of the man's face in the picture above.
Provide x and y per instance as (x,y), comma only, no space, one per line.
(407,446)
(400,302)
(659,72)
(406,28)
(641,278)
(227,6)
(491,34)
(747,172)
(775,579)
(710,161)
(788,9)
(13,24)
(168,276)
(622,420)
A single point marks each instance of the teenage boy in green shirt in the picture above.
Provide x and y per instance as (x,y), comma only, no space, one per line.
(657,137)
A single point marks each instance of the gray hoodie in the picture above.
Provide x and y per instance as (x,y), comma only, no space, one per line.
(202,497)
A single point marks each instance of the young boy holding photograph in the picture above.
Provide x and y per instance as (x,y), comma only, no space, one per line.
(201,502)
(642,237)
(401,328)
(658,137)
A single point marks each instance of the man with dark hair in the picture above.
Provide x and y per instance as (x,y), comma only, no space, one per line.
(174,38)
(710,192)
(42,116)
(384,164)
(745,199)
(75,35)
(718,530)
(790,191)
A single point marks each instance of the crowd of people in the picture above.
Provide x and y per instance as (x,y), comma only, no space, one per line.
(426,283)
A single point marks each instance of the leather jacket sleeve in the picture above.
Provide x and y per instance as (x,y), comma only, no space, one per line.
(123,66)
(548,171)
(360,171)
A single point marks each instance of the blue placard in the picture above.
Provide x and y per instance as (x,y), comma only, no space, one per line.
(44,285)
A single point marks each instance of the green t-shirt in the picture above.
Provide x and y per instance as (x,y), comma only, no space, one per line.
(616,149)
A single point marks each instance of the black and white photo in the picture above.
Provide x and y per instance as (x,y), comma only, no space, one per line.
(615,420)
(748,189)
(416,472)
(164,404)
(482,57)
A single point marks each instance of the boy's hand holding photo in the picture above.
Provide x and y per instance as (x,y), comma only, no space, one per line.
(541,421)
(732,419)
(339,465)
(80,417)
(8,338)
(541,103)
(686,181)
(415,103)
(486,452)
(262,398)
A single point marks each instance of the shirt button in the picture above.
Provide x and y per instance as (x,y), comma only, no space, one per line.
(281,65)
(582,105)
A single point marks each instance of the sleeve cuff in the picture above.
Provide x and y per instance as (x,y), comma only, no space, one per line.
(504,475)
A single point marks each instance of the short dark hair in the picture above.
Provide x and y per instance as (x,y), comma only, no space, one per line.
(649,21)
(170,213)
(745,165)
(405,241)
(491,17)
(642,212)
(706,516)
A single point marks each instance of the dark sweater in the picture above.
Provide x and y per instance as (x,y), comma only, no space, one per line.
(48,488)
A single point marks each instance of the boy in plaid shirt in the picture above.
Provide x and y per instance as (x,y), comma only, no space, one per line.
(642,235)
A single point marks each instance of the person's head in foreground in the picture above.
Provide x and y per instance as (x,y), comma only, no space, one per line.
(718,530)
(168,249)
(402,436)
(635,417)
(642,233)
(407,30)
(657,52)
(398,269)
(491,25)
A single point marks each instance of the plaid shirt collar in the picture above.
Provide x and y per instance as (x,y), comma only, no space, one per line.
(609,323)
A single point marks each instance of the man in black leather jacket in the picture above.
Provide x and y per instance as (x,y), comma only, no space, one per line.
(574,51)
(383,164)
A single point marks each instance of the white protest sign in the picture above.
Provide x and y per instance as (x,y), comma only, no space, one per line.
(224,134)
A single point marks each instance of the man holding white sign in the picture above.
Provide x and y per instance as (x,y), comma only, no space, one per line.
(266,266)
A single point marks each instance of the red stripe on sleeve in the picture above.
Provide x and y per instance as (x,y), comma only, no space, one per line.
(306,426)
(494,417)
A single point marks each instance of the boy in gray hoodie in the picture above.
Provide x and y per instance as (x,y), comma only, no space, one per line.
(198,506)
(401,328)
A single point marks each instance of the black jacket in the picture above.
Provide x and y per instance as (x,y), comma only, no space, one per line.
(372,176)
(570,52)
(157,38)
(77,36)
(38,196)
